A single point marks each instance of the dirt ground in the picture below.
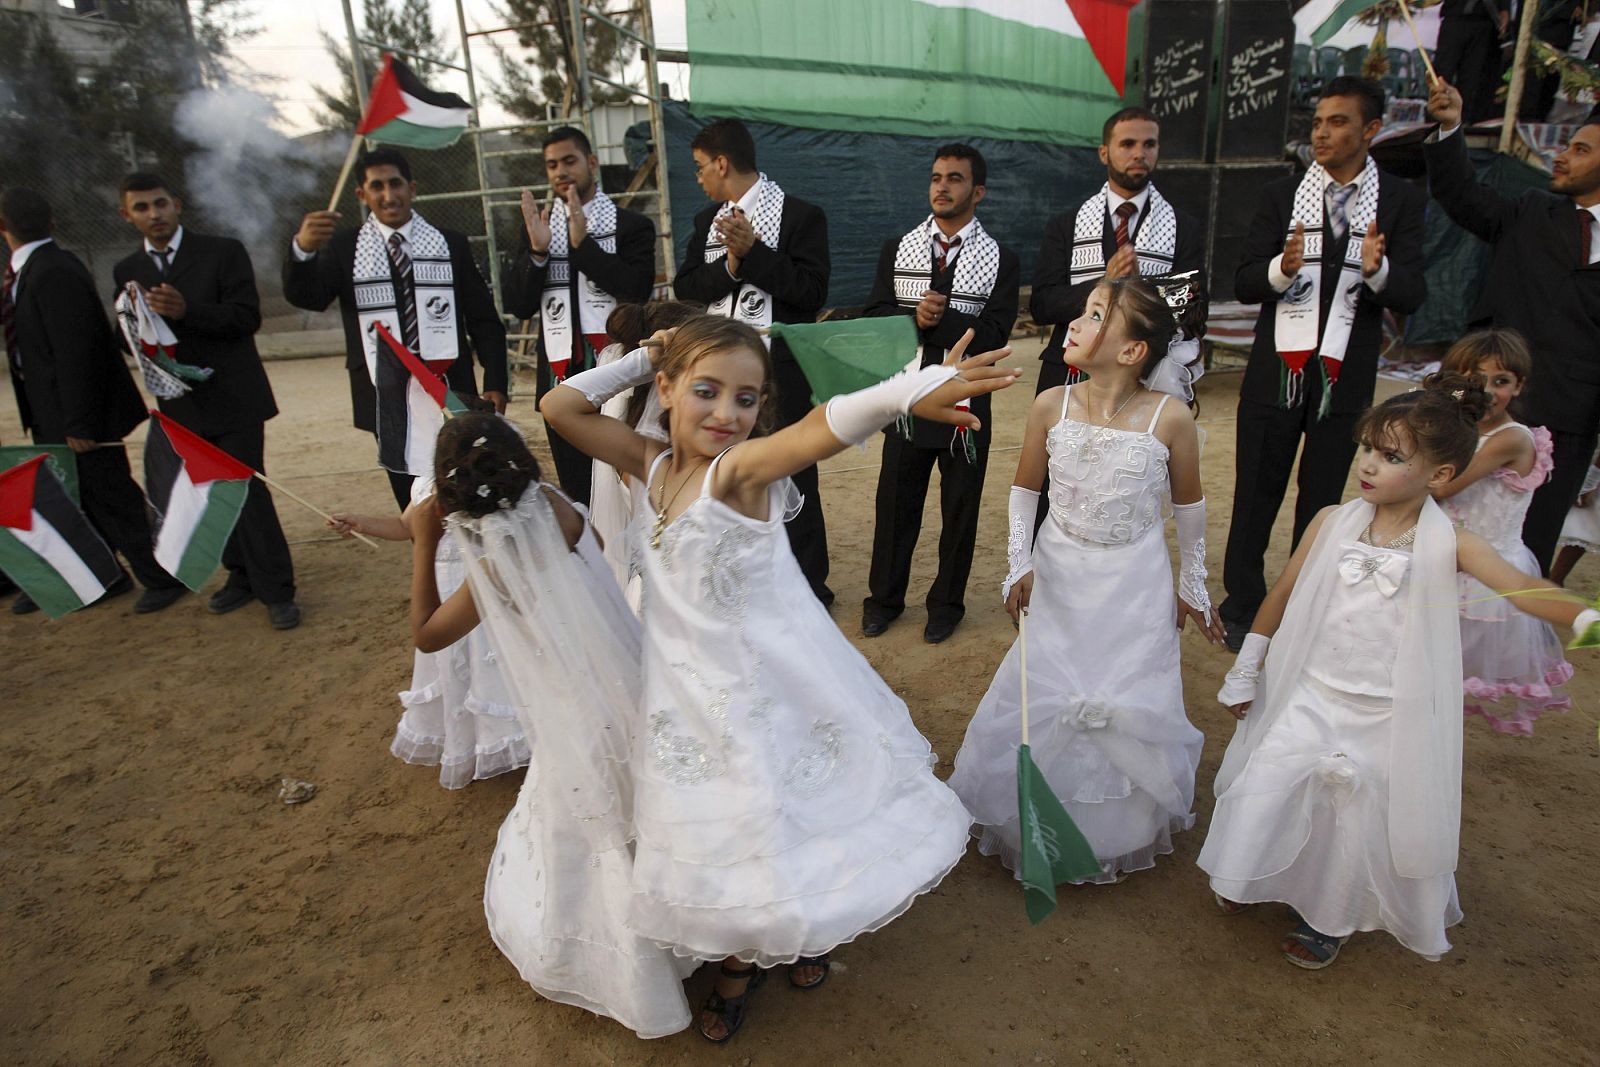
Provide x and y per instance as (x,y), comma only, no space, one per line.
(162,906)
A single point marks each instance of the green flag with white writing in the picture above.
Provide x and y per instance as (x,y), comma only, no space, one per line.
(849,354)
(1053,848)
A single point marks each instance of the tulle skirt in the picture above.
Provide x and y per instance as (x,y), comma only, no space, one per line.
(1106,716)
(1513,664)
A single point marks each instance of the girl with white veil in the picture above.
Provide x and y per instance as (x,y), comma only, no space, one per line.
(568,647)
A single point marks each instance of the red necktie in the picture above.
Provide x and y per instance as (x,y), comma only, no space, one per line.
(948,250)
(8,319)
(1125,213)
(1585,235)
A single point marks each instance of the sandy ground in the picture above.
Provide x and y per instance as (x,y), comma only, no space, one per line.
(162,906)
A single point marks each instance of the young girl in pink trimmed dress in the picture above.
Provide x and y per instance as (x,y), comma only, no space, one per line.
(1514,664)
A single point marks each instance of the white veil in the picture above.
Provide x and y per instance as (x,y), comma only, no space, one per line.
(568,648)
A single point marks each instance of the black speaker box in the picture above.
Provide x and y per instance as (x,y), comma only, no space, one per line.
(1254,78)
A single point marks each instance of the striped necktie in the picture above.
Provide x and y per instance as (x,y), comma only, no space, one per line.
(1585,236)
(8,319)
(948,250)
(1125,212)
(405,292)
(1338,216)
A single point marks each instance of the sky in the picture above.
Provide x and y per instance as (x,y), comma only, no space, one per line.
(290,49)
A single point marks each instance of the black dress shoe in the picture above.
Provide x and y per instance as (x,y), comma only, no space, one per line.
(873,626)
(23,605)
(284,616)
(121,586)
(228,598)
(156,599)
(936,631)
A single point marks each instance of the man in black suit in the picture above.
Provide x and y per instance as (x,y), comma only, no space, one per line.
(584,255)
(1470,32)
(1544,281)
(951,276)
(205,288)
(320,268)
(73,388)
(761,257)
(1344,241)
(1127,226)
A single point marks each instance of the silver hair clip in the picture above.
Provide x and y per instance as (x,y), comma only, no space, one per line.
(480,442)
(505,503)
(1458,394)
(451,473)
(484,490)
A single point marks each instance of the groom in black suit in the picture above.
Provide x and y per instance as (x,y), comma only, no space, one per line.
(318,270)
(1272,421)
(205,288)
(73,388)
(1544,281)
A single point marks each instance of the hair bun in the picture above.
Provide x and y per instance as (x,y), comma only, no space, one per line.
(1465,391)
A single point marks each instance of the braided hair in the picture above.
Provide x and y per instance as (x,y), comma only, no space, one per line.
(481,464)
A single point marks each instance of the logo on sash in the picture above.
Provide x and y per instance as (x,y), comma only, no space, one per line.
(752,302)
(1299,290)
(1352,295)
(554,310)
(438,307)
(594,291)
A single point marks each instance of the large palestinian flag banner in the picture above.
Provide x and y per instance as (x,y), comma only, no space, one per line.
(47,545)
(403,111)
(197,491)
(1029,70)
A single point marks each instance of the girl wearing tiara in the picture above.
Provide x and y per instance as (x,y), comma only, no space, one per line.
(784,801)
(1109,732)
(1514,664)
(556,896)
(1340,793)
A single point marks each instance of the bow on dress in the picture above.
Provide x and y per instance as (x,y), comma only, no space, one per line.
(1385,569)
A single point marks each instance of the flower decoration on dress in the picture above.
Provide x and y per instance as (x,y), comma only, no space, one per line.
(1338,772)
(1087,714)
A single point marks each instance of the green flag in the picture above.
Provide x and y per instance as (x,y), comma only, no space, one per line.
(62,463)
(850,354)
(1053,849)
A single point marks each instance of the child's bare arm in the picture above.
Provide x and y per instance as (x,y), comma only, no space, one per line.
(1270,615)
(1511,449)
(434,626)
(1034,463)
(1479,559)
(388,527)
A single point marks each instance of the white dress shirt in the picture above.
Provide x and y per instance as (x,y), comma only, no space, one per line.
(171,249)
(19,259)
(1380,277)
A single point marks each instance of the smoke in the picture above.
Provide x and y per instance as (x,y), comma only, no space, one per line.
(246,177)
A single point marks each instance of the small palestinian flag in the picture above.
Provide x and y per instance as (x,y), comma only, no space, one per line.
(403,111)
(47,545)
(413,403)
(197,491)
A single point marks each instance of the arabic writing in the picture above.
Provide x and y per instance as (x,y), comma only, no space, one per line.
(1257,75)
(1177,74)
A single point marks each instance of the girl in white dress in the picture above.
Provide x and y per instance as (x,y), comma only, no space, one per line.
(1581,532)
(558,888)
(1109,732)
(1514,664)
(784,801)
(1340,793)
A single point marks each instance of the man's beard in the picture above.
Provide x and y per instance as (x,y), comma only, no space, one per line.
(1566,185)
(1128,181)
(953,209)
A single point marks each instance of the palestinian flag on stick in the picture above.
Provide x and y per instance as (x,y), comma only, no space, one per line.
(47,545)
(197,491)
(403,111)
(413,403)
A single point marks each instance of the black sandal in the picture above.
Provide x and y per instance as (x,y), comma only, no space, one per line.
(731,1010)
(810,961)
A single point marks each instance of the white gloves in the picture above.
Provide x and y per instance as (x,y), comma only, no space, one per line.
(855,417)
(1586,618)
(600,384)
(1239,685)
(1191,523)
(1022,509)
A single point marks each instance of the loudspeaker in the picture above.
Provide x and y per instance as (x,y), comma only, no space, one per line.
(1254,80)
(1170,71)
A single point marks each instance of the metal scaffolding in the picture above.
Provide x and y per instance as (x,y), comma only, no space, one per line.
(633,22)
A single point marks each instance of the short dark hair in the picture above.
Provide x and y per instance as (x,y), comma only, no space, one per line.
(569,133)
(142,181)
(1127,114)
(1367,91)
(980,169)
(382,157)
(728,137)
(26,213)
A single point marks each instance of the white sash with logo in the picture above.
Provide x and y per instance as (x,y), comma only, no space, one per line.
(432,281)
(594,303)
(749,303)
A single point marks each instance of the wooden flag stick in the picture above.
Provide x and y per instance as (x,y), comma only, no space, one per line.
(344,175)
(1405,11)
(297,498)
(1022,646)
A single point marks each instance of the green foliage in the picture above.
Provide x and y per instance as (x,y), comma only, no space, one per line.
(404,24)
(536,75)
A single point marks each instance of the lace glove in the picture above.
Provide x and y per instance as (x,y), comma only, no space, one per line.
(855,417)
(1239,684)
(1191,522)
(1023,508)
(599,384)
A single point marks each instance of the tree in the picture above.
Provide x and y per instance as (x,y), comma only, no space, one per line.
(538,79)
(406,24)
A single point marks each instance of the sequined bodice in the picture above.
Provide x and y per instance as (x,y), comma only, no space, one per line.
(1492,507)
(1107,486)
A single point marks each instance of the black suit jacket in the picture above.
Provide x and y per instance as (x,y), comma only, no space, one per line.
(324,278)
(1401,207)
(991,329)
(221,315)
(795,273)
(73,381)
(1535,285)
(1056,301)
(628,275)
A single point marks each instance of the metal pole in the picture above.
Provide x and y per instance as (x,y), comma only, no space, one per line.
(477,153)
(1519,72)
(658,135)
(580,60)
(357,71)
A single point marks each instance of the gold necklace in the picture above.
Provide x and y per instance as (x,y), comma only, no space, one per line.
(661,516)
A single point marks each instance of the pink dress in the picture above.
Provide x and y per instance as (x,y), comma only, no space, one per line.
(1514,664)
